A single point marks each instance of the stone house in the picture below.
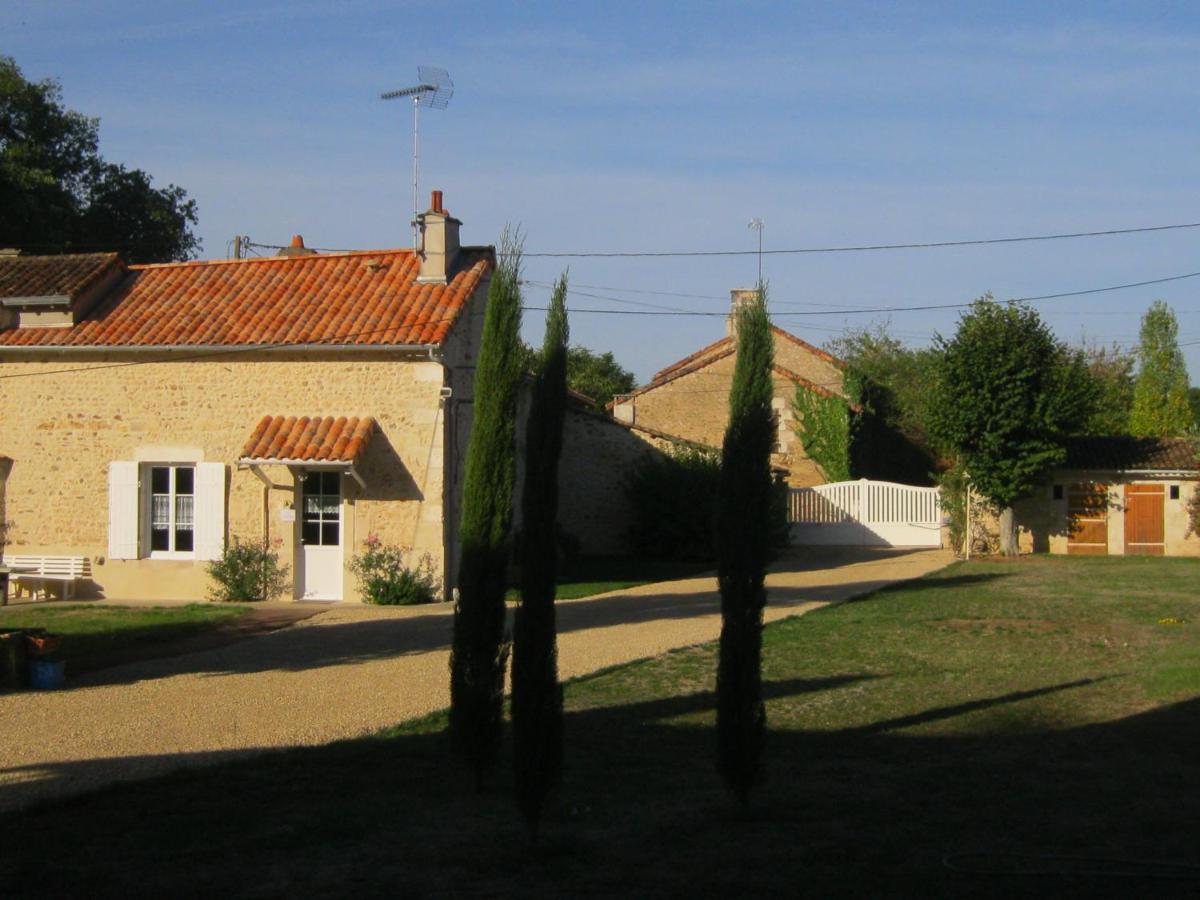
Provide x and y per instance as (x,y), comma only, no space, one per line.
(689,399)
(152,413)
(1115,496)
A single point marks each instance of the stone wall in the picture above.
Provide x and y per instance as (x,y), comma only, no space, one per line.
(598,455)
(74,415)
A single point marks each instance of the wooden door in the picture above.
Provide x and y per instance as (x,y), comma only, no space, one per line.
(1144,520)
(1087,520)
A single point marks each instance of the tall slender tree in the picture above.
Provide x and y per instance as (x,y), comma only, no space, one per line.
(743,551)
(1160,394)
(479,653)
(536,693)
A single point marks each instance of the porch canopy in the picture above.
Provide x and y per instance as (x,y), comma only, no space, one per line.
(315,442)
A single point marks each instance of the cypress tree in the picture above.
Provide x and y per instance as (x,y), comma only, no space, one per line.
(536,693)
(479,652)
(743,551)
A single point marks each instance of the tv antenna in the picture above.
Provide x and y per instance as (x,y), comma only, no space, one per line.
(434,90)
(757,225)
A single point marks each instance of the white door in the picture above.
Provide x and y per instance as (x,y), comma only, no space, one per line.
(321,536)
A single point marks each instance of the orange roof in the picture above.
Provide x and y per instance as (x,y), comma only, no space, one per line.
(309,439)
(68,275)
(369,298)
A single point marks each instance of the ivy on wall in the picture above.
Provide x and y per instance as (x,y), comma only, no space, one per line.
(825,425)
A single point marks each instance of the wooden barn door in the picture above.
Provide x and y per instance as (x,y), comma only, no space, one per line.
(1144,520)
(1087,520)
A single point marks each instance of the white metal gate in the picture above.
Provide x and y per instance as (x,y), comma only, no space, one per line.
(866,513)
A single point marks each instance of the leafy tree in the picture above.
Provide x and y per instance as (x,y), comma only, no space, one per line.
(479,652)
(57,195)
(1007,394)
(1161,406)
(597,376)
(1111,372)
(536,693)
(743,551)
(1194,401)
(893,382)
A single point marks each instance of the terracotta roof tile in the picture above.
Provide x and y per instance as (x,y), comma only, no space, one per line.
(68,275)
(368,298)
(309,439)
(1124,454)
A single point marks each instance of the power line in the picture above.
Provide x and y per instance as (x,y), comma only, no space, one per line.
(920,245)
(855,248)
(886,309)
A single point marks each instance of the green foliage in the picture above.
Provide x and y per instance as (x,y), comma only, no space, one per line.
(247,571)
(479,653)
(892,382)
(823,424)
(673,499)
(1161,406)
(597,376)
(386,579)
(536,692)
(58,195)
(1110,370)
(1007,394)
(743,550)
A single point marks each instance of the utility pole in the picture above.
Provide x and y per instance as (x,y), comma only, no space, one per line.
(237,246)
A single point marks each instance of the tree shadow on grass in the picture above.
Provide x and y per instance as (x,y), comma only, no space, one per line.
(858,811)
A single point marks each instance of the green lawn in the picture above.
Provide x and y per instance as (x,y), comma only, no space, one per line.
(592,575)
(1002,716)
(93,634)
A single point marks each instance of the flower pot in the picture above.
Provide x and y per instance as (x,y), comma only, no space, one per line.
(47,674)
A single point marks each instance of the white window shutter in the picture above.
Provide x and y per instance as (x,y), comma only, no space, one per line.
(210,510)
(123,510)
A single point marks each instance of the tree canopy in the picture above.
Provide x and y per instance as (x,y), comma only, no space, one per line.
(1111,372)
(1007,394)
(596,375)
(1161,406)
(58,195)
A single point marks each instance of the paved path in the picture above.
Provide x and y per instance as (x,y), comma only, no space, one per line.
(352,670)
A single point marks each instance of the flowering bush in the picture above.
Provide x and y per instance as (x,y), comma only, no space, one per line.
(248,572)
(387,580)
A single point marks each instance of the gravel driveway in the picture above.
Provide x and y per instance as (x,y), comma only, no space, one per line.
(354,669)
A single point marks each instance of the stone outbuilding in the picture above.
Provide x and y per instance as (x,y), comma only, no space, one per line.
(1115,496)
(689,399)
(153,413)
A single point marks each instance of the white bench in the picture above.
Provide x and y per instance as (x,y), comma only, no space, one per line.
(35,573)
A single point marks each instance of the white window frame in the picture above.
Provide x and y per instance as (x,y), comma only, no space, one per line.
(145,501)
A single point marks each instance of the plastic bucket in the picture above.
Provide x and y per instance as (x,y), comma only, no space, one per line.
(47,674)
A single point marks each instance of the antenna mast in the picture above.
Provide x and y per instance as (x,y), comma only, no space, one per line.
(757,225)
(434,90)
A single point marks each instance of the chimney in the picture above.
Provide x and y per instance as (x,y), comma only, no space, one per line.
(297,248)
(439,242)
(738,298)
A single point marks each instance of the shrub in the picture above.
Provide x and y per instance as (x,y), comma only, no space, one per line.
(385,578)
(674,501)
(248,572)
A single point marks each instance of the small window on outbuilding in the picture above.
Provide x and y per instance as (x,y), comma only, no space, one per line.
(1174,492)
(1058,492)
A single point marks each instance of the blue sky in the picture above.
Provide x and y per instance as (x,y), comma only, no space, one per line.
(668,126)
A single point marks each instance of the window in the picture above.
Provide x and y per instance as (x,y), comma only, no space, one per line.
(322,509)
(167,510)
(1174,492)
(1058,492)
(172,509)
